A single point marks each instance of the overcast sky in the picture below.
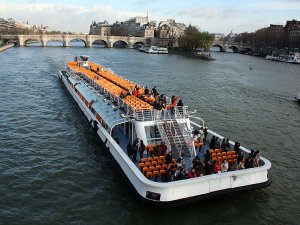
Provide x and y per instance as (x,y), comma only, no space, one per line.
(214,16)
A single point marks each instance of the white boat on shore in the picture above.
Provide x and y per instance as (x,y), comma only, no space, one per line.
(158,177)
(156,50)
(291,58)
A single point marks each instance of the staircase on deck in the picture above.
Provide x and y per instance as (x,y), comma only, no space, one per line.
(173,137)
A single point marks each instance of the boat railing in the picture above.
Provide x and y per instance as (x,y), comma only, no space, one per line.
(181,112)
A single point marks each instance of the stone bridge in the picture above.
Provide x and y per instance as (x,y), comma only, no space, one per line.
(235,46)
(88,40)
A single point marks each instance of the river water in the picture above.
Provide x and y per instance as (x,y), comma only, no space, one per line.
(50,174)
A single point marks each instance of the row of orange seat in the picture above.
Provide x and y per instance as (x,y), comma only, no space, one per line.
(120,81)
(114,89)
(220,155)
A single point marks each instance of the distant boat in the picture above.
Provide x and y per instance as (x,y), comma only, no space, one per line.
(156,50)
(290,58)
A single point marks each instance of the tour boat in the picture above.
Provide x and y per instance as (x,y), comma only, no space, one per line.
(156,50)
(119,118)
(290,58)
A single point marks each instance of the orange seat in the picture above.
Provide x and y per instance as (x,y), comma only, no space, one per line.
(160,162)
(141,165)
(161,172)
(149,175)
(145,170)
(164,166)
(151,168)
(234,156)
(228,153)
(150,159)
(154,163)
(155,173)
(220,159)
(214,159)
(219,154)
(148,164)
(156,158)
(211,151)
(162,157)
(223,153)
(144,160)
(224,157)
(158,167)
(214,155)
(174,161)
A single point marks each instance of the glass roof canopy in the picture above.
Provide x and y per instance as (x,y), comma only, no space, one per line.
(102,106)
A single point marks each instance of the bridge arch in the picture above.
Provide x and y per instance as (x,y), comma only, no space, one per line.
(54,39)
(77,39)
(33,42)
(222,49)
(234,48)
(99,42)
(120,44)
(138,43)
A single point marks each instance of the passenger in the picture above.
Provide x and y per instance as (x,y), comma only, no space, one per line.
(217,143)
(135,92)
(223,144)
(146,91)
(241,164)
(180,103)
(142,149)
(122,95)
(237,147)
(157,105)
(256,159)
(154,90)
(164,149)
(168,158)
(201,137)
(168,176)
(130,151)
(205,134)
(212,143)
(207,156)
(192,173)
(117,140)
(174,100)
(196,133)
(233,166)
(209,168)
(227,145)
(179,162)
(217,166)
(163,100)
(135,149)
(180,174)
(224,166)
(196,162)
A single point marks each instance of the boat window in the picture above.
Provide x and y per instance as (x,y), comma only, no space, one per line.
(153,195)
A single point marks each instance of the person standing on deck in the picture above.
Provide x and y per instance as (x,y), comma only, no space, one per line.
(142,148)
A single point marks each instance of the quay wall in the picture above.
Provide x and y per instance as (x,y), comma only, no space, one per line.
(5,47)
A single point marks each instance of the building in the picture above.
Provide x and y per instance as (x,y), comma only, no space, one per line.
(100,28)
(292,28)
(6,26)
(169,31)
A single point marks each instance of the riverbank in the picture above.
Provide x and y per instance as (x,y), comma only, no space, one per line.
(5,47)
